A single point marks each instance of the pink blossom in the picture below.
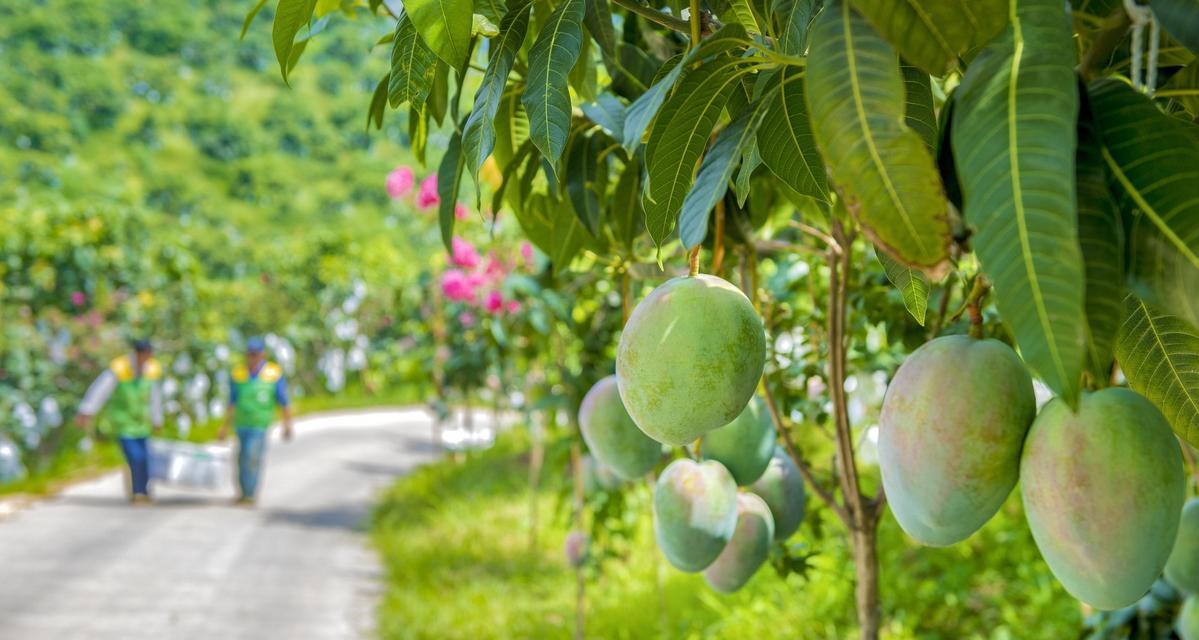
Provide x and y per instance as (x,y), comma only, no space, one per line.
(466,319)
(494,303)
(457,286)
(399,181)
(461,212)
(526,252)
(494,269)
(427,197)
(513,306)
(78,298)
(463,253)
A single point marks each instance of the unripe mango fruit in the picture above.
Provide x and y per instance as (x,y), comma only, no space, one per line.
(611,435)
(745,445)
(598,477)
(952,425)
(1182,567)
(695,512)
(1103,490)
(1187,624)
(747,550)
(781,487)
(576,548)
(689,358)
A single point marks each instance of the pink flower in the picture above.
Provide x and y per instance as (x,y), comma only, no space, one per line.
(494,269)
(461,212)
(456,286)
(78,298)
(513,306)
(427,197)
(526,252)
(466,319)
(494,303)
(399,181)
(463,253)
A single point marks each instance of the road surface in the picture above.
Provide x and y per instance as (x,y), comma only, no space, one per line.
(87,565)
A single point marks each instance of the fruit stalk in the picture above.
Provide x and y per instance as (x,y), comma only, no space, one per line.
(693,262)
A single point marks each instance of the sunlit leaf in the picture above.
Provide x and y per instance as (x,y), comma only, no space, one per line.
(412,67)
(715,170)
(1159,355)
(785,141)
(882,169)
(449,179)
(290,17)
(546,97)
(912,285)
(444,25)
(1013,141)
(933,33)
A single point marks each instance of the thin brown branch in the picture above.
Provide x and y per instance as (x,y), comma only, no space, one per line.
(780,246)
(784,429)
(838,292)
(819,234)
(655,16)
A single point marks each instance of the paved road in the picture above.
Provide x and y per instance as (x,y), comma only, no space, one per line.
(87,565)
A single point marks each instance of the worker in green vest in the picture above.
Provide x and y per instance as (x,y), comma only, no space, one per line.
(257,389)
(130,394)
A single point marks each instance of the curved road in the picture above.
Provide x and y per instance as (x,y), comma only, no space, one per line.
(85,564)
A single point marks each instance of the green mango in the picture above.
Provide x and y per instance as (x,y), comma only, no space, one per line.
(1187,624)
(1103,490)
(1182,567)
(781,486)
(611,435)
(695,512)
(690,358)
(745,445)
(952,425)
(748,548)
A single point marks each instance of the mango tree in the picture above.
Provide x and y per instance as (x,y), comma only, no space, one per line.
(1030,165)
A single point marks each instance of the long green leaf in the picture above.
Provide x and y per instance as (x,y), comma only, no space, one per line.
(881,168)
(586,177)
(1159,355)
(715,170)
(912,285)
(677,140)
(1180,19)
(449,179)
(625,211)
(290,17)
(445,27)
(413,66)
(250,15)
(478,134)
(1013,142)
(513,126)
(919,112)
(607,112)
(598,21)
(933,33)
(785,141)
(795,16)
(546,97)
(1101,238)
(1154,166)
(378,104)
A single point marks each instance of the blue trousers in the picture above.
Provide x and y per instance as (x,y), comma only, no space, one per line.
(138,459)
(251,447)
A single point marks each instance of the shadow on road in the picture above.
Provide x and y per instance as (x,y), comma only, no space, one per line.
(171,502)
(351,517)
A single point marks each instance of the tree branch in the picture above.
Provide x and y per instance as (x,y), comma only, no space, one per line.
(655,16)
(784,430)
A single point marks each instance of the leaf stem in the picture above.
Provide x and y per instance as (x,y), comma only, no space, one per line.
(655,16)
(974,304)
(694,18)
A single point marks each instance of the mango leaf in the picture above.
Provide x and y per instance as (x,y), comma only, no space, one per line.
(931,34)
(449,179)
(751,159)
(493,11)
(444,25)
(413,66)
(1101,238)
(1180,19)
(513,126)
(919,113)
(583,77)
(680,136)
(882,169)
(744,12)
(546,97)
(1154,167)
(1183,87)
(566,234)
(290,17)
(586,177)
(785,142)
(1013,142)
(715,170)
(378,103)
(625,212)
(795,16)
(478,134)
(598,21)
(1159,355)
(607,112)
(912,285)
(253,13)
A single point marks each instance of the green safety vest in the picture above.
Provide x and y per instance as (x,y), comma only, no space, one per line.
(128,410)
(255,406)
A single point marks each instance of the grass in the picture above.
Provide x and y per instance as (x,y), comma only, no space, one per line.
(455,540)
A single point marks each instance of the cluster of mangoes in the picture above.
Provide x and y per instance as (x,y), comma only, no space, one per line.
(1102,484)
(688,365)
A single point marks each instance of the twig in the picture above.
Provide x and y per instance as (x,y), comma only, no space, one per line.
(804,470)
(819,234)
(655,16)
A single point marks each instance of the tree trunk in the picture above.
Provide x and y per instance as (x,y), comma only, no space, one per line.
(865,560)
(535,460)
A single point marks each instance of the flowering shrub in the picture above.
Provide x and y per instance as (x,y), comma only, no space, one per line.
(400,181)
